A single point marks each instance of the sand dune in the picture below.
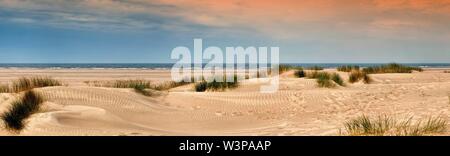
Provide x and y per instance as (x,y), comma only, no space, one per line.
(298,108)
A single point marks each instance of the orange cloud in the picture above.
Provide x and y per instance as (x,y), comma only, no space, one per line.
(276,18)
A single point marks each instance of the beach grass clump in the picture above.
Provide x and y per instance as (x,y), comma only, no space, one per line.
(130,84)
(300,73)
(4,88)
(142,90)
(447,71)
(24,84)
(315,68)
(285,67)
(311,75)
(201,86)
(347,68)
(366,78)
(168,85)
(216,85)
(337,79)
(391,68)
(384,125)
(144,87)
(325,79)
(28,104)
(139,86)
(325,82)
(357,75)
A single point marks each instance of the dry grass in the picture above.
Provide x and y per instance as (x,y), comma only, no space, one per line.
(325,79)
(4,88)
(300,73)
(391,68)
(315,68)
(337,79)
(145,84)
(140,86)
(168,85)
(325,82)
(215,85)
(385,125)
(21,109)
(25,84)
(131,84)
(357,75)
(284,68)
(347,68)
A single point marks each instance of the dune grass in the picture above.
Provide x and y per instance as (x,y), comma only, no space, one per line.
(357,75)
(139,86)
(284,68)
(168,85)
(215,85)
(347,68)
(24,84)
(142,90)
(315,68)
(130,84)
(384,125)
(337,79)
(391,68)
(21,109)
(300,74)
(367,79)
(4,88)
(325,79)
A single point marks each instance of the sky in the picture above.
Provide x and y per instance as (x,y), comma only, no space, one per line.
(146,31)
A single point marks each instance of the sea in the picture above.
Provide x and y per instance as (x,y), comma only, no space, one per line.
(170,65)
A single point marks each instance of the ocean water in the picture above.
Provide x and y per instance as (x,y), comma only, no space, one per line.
(169,65)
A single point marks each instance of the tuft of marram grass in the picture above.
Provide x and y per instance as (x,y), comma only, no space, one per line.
(315,68)
(284,68)
(325,79)
(300,73)
(337,79)
(385,125)
(325,82)
(366,78)
(4,88)
(357,75)
(21,109)
(140,86)
(168,85)
(24,84)
(391,68)
(315,75)
(130,84)
(347,68)
(215,85)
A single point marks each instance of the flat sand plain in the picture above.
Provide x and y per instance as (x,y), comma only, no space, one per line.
(298,108)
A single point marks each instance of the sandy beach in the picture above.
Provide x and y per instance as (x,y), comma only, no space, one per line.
(298,108)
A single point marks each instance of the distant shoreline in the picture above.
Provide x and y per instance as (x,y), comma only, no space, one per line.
(163,66)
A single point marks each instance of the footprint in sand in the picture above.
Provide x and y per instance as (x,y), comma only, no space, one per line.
(220,113)
(237,114)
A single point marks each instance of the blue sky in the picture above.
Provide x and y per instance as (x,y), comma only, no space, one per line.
(137,31)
